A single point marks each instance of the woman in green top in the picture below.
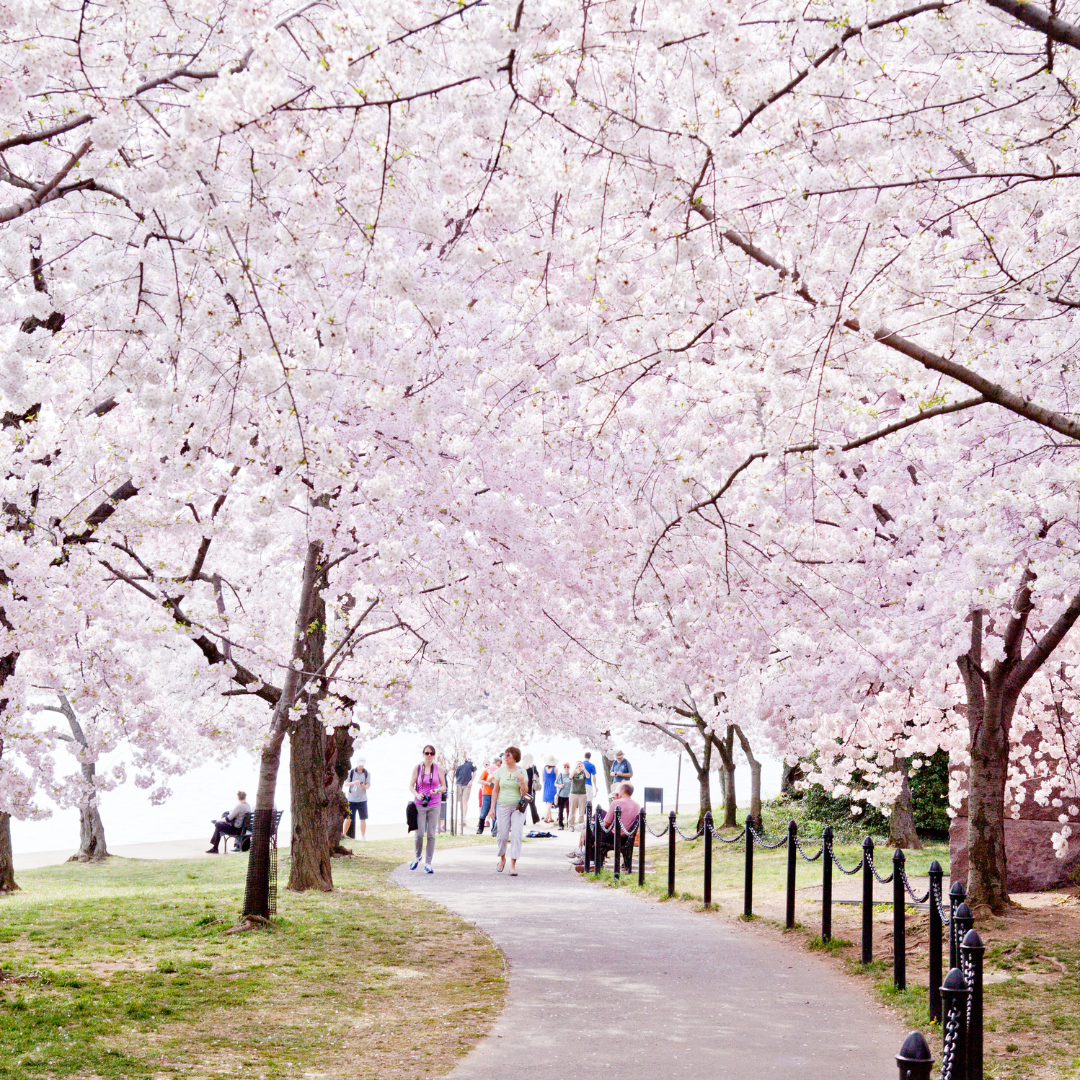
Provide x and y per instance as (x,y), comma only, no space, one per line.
(510,785)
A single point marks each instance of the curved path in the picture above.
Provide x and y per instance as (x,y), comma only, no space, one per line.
(602,982)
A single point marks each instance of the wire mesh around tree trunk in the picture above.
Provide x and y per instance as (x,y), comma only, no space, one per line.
(272,891)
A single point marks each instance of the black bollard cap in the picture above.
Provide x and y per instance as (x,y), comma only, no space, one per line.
(972,940)
(915,1049)
(899,856)
(963,911)
(955,980)
(935,867)
(958,890)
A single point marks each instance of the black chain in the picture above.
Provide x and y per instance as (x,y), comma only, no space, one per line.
(810,858)
(911,891)
(662,832)
(945,920)
(854,870)
(873,870)
(968,968)
(729,840)
(782,842)
(696,835)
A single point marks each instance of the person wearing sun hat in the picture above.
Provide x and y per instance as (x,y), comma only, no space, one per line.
(549,795)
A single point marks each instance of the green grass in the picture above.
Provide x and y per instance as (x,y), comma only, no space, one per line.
(125,970)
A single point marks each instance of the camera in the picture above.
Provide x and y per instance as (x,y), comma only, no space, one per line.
(425,800)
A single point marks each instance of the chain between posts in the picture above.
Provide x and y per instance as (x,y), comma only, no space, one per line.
(911,892)
(873,870)
(810,858)
(839,866)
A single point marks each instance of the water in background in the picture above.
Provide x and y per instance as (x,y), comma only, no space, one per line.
(200,795)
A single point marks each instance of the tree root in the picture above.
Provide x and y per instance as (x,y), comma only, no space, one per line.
(252,922)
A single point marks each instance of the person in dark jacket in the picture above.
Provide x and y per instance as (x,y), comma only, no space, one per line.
(463,778)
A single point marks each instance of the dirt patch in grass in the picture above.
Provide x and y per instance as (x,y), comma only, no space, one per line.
(125,970)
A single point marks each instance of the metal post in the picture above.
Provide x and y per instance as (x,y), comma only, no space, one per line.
(617,838)
(965,920)
(671,854)
(641,849)
(826,884)
(954,998)
(789,911)
(936,877)
(956,898)
(971,956)
(914,1059)
(706,891)
(867,900)
(899,926)
(590,849)
(748,883)
(598,860)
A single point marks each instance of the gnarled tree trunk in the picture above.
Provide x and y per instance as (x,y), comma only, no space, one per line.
(755,769)
(339,748)
(91,830)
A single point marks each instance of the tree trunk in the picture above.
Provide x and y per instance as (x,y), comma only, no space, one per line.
(257,890)
(902,833)
(607,762)
(755,770)
(791,775)
(731,810)
(7,863)
(339,748)
(704,787)
(310,850)
(91,830)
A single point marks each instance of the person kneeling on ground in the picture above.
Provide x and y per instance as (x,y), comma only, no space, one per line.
(629,815)
(230,824)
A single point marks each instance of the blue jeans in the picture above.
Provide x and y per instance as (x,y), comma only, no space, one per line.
(485,809)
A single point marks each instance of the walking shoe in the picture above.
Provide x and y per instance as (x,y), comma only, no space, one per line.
(414,864)
(427,869)
(212,851)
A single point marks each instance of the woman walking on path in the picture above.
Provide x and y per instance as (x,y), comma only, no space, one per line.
(532,776)
(428,787)
(510,787)
(549,790)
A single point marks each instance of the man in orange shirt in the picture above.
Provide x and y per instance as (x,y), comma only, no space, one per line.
(487,785)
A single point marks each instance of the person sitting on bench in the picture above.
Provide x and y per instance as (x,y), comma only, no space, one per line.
(230,824)
(628,816)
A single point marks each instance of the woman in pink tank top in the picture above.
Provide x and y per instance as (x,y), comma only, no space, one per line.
(428,786)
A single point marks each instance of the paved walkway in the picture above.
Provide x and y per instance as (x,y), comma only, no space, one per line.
(605,983)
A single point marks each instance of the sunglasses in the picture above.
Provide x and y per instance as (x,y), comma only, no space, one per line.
(429,753)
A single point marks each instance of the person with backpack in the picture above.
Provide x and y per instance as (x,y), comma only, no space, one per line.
(511,796)
(428,786)
(356,791)
(578,779)
(463,778)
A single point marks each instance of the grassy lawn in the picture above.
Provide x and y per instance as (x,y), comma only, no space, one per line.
(125,970)
(1032,1007)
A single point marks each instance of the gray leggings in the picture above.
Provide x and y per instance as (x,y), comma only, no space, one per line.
(427,821)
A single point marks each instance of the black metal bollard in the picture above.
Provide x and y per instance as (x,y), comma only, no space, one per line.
(936,879)
(789,909)
(748,883)
(826,884)
(954,998)
(706,891)
(590,848)
(899,926)
(971,962)
(641,849)
(598,861)
(617,838)
(914,1059)
(956,898)
(867,900)
(671,854)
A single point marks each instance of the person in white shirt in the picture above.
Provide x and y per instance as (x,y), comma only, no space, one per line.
(230,824)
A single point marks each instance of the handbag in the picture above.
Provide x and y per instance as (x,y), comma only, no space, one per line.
(524,802)
(411,816)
